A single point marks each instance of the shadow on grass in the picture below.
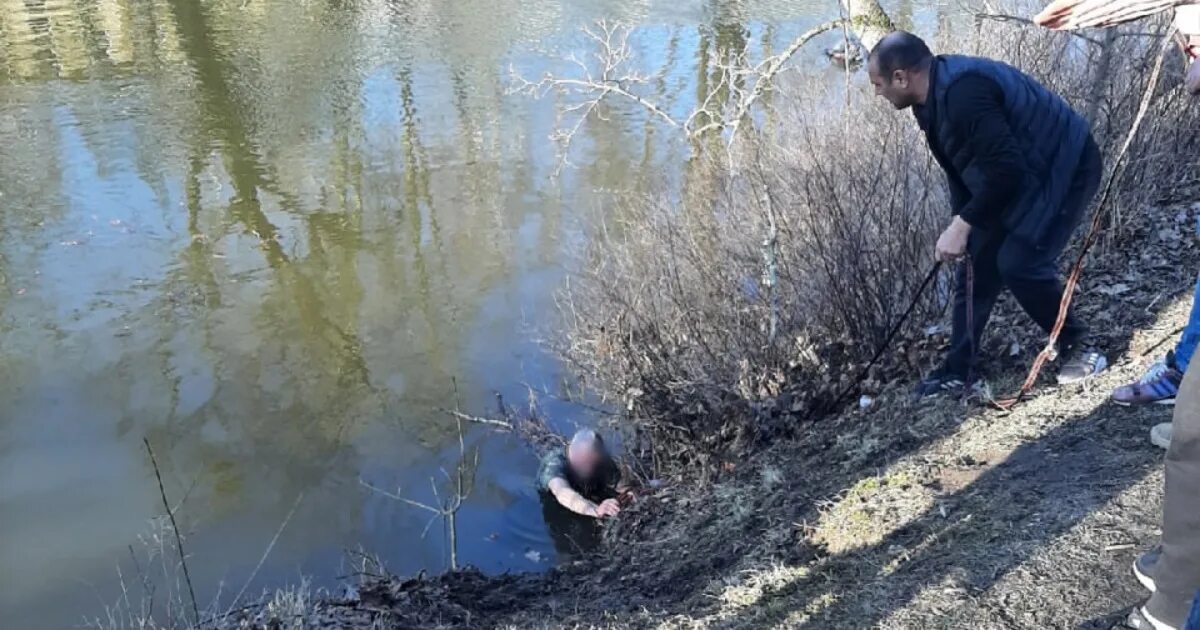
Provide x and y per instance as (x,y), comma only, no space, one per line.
(972,539)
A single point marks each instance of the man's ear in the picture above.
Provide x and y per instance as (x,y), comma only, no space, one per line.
(900,78)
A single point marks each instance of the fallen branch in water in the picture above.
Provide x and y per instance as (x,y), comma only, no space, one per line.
(448,508)
(479,419)
(287,519)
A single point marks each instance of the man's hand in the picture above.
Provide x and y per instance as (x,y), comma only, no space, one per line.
(609,507)
(952,244)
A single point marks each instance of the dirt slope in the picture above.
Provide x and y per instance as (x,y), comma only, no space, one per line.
(944,515)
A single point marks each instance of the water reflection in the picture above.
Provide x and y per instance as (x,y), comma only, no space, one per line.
(274,237)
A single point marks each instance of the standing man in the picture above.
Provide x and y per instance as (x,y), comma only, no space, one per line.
(1022,168)
(1170,572)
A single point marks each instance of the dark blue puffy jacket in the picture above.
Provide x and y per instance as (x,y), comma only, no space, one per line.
(1051,136)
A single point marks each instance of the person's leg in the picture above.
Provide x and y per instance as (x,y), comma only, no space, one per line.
(1193,622)
(1177,575)
(1190,337)
(1160,384)
(1032,276)
(964,340)
(1031,273)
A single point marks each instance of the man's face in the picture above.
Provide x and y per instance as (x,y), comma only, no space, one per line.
(897,89)
(584,462)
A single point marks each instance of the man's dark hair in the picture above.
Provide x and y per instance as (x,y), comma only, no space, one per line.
(900,50)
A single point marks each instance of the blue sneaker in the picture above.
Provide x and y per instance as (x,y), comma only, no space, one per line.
(1158,386)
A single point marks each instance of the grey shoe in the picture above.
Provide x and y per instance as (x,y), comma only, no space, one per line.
(1081,364)
(1144,566)
(1140,619)
(1160,435)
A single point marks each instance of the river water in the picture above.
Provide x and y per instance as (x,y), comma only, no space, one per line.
(274,237)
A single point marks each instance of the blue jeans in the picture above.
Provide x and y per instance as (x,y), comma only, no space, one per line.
(1193,620)
(1190,337)
(1191,333)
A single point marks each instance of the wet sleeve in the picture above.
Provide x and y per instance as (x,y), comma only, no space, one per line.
(553,466)
(975,109)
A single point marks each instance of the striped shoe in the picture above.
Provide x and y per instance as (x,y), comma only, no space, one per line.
(1158,386)
(938,384)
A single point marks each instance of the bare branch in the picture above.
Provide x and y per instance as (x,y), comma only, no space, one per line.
(504,424)
(397,497)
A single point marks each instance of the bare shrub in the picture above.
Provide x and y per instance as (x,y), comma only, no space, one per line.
(755,292)
(675,313)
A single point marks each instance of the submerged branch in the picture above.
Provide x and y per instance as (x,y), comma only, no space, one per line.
(504,424)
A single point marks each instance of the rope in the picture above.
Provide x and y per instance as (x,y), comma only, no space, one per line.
(1090,240)
(854,384)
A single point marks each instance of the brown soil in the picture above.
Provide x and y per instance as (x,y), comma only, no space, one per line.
(945,515)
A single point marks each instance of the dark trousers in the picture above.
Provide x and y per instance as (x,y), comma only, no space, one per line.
(1000,261)
(1177,574)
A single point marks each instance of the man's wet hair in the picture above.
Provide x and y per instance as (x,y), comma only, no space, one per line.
(587,438)
(900,50)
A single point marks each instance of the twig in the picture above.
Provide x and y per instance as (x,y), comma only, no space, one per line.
(1160,342)
(447,509)
(174,527)
(478,419)
(396,497)
(568,399)
(771,67)
(266,552)
(654,542)
(147,585)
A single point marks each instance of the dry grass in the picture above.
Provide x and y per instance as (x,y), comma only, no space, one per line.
(869,511)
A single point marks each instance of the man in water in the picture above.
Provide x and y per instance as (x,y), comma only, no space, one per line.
(1022,168)
(583,478)
(1171,571)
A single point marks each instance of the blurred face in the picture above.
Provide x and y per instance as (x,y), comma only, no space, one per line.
(898,88)
(584,461)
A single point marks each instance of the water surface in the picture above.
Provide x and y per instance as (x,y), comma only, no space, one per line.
(274,237)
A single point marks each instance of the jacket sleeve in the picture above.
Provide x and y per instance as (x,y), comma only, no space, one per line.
(994,177)
(959,195)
